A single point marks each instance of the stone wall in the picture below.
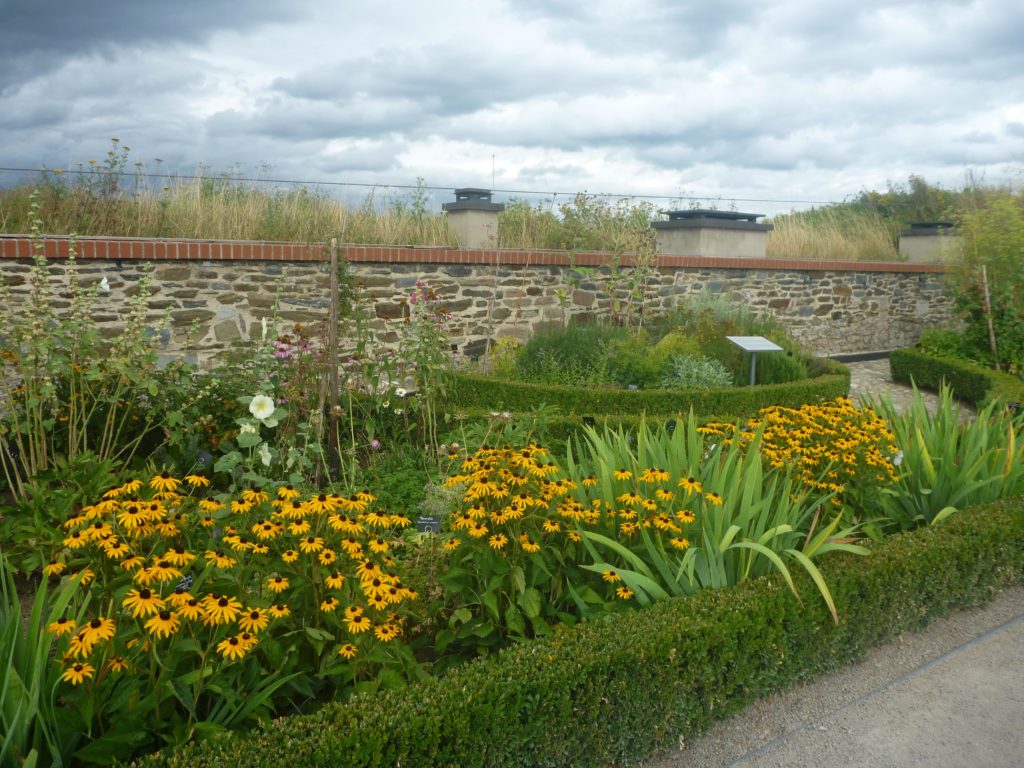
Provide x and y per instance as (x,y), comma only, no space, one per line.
(216,294)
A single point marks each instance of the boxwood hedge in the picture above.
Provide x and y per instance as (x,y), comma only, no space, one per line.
(491,393)
(617,689)
(969,381)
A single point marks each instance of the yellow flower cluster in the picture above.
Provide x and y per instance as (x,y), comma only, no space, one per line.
(518,500)
(833,447)
(173,564)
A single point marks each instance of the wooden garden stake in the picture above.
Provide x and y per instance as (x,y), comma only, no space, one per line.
(332,355)
(987,307)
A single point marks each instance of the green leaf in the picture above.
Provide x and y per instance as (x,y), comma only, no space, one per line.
(530,601)
(248,439)
(514,621)
(490,602)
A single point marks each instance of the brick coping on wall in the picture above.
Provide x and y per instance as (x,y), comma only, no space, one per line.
(148,249)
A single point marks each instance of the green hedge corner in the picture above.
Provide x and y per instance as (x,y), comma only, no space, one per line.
(969,381)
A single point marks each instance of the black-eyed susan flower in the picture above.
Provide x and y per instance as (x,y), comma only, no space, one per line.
(622,474)
(254,495)
(691,485)
(329,604)
(232,648)
(191,610)
(321,504)
(358,623)
(75,540)
(624,593)
(334,580)
(220,610)
(610,576)
(254,620)
(118,664)
(386,632)
(163,624)
(162,571)
(348,651)
(679,542)
(287,493)
(132,563)
(529,546)
(79,646)
(289,556)
(685,516)
(61,626)
(277,584)
(163,483)
(115,549)
(142,602)
(54,569)
(78,673)
(713,499)
(497,541)
(100,628)
(218,559)
(326,557)
(178,556)
(240,506)
(132,517)
(197,481)
(452,544)
(311,544)
(278,611)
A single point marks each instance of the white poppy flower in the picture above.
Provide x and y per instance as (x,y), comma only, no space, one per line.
(262,407)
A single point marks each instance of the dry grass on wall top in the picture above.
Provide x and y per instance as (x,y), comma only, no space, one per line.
(829,235)
(222,208)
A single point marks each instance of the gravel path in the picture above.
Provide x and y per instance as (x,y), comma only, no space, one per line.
(950,696)
(872,378)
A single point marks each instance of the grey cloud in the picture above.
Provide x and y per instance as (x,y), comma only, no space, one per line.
(38,36)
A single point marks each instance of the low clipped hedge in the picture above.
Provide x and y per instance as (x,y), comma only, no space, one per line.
(969,381)
(615,690)
(490,393)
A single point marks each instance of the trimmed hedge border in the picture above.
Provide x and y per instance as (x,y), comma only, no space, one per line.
(489,393)
(969,381)
(615,690)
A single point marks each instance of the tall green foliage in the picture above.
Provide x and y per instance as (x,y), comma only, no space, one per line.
(993,235)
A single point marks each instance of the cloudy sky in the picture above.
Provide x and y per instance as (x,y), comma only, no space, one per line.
(788,100)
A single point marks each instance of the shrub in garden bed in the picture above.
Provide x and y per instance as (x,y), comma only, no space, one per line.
(616,689)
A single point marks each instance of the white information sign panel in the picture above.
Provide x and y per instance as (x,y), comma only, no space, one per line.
(753,345)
